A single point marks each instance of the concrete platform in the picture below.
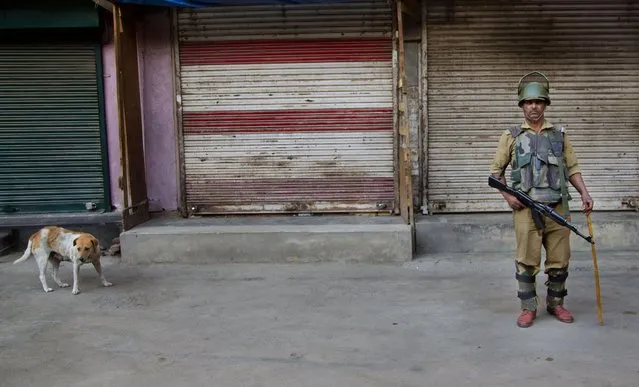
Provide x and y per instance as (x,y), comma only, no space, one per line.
(370,239)
(493,233)
(104,225)
(41,219)
(272,239)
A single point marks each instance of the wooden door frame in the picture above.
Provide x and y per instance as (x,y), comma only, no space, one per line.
(133,178)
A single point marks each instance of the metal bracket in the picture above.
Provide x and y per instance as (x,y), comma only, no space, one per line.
(631,202)
(104,4)
(136,205)
(438,205)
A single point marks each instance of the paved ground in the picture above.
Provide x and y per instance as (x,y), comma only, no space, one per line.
(439,321)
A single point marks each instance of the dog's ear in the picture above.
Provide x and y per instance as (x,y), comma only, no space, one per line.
(74,242)
(96,248)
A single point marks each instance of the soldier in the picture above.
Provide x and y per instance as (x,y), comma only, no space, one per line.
(542,160)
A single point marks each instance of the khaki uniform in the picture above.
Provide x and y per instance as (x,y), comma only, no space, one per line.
(555,239)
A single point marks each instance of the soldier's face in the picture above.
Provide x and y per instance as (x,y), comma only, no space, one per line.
(534,109)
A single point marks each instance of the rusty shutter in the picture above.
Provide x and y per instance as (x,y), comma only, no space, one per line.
(287,108)
(477,53)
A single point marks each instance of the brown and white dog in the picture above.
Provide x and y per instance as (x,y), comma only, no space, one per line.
(54,244)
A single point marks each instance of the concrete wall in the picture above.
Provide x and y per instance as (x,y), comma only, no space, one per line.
(158,96)
(158,118)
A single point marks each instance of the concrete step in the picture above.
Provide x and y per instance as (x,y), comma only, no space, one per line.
(494,233)
(37,220)
(104,225)
(498,264)
(276,239)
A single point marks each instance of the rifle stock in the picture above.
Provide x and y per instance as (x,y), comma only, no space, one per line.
(536,206)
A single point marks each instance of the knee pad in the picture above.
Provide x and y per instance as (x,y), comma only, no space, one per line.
(557,275)
(556,283)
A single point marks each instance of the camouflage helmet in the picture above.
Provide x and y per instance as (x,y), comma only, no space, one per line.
(533,85)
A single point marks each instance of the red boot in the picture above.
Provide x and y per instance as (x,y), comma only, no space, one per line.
(561,313)
(526,318)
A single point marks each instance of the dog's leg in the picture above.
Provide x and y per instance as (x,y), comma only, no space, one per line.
(55,265)
(76,274)
(42,259)
(98,268)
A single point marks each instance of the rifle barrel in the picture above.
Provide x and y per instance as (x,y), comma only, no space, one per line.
(529,202)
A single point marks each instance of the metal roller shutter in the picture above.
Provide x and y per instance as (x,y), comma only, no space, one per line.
(476,54)
(51,157)
(287,108)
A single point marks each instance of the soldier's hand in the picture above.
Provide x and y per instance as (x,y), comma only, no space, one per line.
(514,203)
(587,203)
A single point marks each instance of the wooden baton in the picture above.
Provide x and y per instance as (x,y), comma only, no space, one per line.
(594,261)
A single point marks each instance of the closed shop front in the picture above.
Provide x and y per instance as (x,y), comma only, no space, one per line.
(52,132)
(286,108)
(477,53)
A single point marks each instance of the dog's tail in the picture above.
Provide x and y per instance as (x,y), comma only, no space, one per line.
(26,255)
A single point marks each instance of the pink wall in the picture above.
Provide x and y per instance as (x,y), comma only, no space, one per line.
(158,113)
(158,96)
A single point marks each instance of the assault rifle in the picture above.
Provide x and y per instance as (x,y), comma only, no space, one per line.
(536,207)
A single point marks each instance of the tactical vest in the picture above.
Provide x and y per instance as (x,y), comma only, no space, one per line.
(537,162)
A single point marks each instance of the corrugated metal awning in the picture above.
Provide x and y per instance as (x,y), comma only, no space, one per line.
(211,3)
(19,14)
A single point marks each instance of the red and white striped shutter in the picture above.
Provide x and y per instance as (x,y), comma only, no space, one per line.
(287,108)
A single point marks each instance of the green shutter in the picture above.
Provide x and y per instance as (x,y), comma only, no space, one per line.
(52,152)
